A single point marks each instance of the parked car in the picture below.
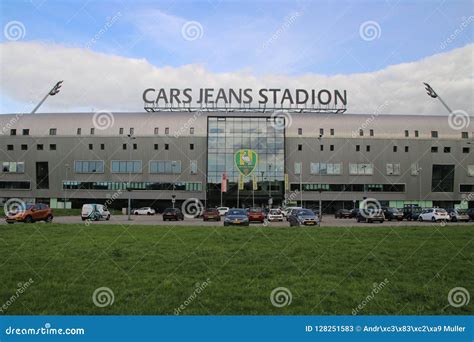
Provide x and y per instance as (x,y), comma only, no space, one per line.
(392,214)
(370,215)
(237,217)
(144,211)
(434,215)
(411,213)
(275,215)
(287,211)
(211,214)
(354,212)
(222,210)
(470,212)
(256,215)
(343,213)
(30,213)
(173,214)
(458,215)
(303,217)
(94,212)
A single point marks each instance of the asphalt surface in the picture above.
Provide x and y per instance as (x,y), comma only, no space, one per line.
(328,221)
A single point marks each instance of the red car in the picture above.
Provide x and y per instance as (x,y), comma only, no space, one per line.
(256,215)
(211,214)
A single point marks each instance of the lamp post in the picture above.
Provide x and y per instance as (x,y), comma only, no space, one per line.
(173,196)
(52,92)
(65,188)
(320,180)
(129,189)
(301,184)
(418,171)
(270,182)
(430,91)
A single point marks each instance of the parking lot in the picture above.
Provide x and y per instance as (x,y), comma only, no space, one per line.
(328,221)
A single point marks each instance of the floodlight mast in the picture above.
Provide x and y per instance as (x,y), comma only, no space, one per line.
(52,92)
(430,91)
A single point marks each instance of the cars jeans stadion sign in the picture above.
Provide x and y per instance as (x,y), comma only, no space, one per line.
(311,100)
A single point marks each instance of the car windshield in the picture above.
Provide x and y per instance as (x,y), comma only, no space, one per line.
(393,210)
(441,211)
(168,210)
(211,210)
(256,210)
(462,212)
(275,211)
(236,212)
(305,212)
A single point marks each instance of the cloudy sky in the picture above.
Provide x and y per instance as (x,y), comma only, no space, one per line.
(108,52)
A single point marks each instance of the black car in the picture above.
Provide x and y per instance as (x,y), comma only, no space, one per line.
(370,215)
(237,217)
(303,217)
(173,214)
(354,213)
(343,213)
(411,213)
(392,214)
(470,212)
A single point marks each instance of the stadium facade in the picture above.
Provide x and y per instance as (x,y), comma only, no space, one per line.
(339,159)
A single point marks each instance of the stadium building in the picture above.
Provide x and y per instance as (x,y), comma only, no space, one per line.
(337,158)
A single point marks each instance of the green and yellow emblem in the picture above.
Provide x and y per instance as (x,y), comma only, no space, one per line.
(246,161)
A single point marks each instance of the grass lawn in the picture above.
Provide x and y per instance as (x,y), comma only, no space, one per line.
(155,270)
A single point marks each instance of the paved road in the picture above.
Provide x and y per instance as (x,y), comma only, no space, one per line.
(328,221)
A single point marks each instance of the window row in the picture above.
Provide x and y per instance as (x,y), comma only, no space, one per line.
(348,187)
(134,186)
(54,131)
(53,147)
(133,166)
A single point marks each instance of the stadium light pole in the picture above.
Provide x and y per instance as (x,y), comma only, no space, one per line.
(129,207)
(430,91)
(65,188)
(320,180)
(52,92)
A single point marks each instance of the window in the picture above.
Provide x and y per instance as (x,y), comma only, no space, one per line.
(361,169)
(321,147)
(466,188)
(167,130)
(470,170)
(132,130)
(367,148)
(122,166)
(357,148)
(395,148)
(52,147)
(331,147)
(13,131)
(416,134)
(156,130)
(26,131)
(18,185)
(371,132)
(135,146)
(300,147)
(331,131)
(434,149)
(165,166)
(39,147)
(193,167)
(167,146)
(300,131)
(155,146)
(361,132)
(393,169)
(406,148)
(321,131)
(136,186)
(191,130)
(92,131)
(88,166)
(78,132)
(447,149)
(24,147)
(442,178)
(191,146)
(91,146)
(13,167)
(52,131)
(407,134)
(297,167)
(102,146)
(464,135)
(121,130)
(465,150)
(326,168)
(10,147)
(434,134)
(415,169)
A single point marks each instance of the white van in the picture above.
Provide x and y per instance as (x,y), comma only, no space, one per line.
(94,212)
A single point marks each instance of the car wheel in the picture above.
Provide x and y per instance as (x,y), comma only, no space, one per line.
(83,218)
(9,222)
(164,219)
(454,219)
(108,217)
(48,219)
(28,219)
(433,219)
(420,218)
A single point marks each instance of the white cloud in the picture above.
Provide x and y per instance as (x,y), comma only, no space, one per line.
(94,81)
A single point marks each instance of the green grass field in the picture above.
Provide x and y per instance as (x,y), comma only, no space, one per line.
(155,270)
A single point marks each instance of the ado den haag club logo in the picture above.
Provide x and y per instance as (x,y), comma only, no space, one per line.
(246,161)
